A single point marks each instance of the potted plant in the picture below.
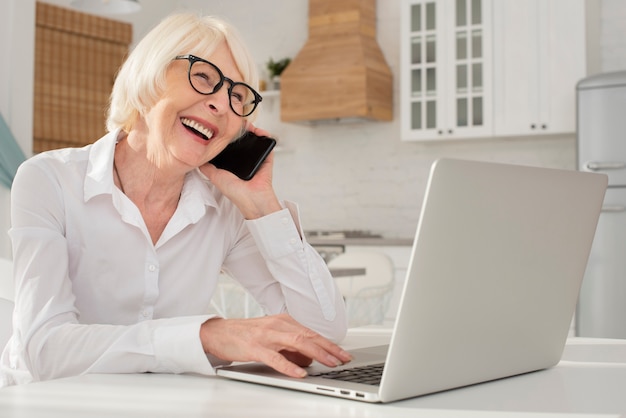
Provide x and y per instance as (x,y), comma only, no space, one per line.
(275,69)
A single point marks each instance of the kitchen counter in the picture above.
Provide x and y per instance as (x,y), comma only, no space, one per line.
(377,241)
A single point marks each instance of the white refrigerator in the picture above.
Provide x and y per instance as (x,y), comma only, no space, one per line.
(601,139)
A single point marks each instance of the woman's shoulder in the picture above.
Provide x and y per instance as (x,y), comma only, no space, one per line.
(66,158)
(54,160)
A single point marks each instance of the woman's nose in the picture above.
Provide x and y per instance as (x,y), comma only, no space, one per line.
(219,101)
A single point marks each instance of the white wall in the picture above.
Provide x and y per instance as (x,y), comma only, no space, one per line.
(17,40)
(613,35)
(349,176)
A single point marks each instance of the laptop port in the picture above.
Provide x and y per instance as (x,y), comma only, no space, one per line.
(325,389)
(344,392)
(360,395)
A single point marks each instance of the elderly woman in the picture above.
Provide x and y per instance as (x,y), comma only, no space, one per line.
(118,246)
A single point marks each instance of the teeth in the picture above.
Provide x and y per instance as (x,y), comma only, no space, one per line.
(196,126)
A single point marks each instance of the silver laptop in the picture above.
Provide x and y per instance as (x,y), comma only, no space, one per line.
(491,288)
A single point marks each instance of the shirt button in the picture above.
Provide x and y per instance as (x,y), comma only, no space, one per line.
(293,241)
(152,267)
(285,221)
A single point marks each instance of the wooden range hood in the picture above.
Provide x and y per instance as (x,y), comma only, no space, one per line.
(341,72)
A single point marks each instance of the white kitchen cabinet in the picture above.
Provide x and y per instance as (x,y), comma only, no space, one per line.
(446,67)
(539,56)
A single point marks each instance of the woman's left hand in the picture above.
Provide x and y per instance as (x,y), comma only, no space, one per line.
(254,198)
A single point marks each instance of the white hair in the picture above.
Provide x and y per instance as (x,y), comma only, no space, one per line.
(141,79)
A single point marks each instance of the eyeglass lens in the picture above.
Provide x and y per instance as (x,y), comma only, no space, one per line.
(206,79)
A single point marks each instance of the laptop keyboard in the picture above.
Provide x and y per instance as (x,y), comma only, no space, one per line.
(368,375)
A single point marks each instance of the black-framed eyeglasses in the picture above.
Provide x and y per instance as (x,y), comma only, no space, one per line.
(206,78)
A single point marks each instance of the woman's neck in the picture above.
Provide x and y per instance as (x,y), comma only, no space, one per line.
(155,188)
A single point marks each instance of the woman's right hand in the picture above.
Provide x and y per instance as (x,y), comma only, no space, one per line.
(277,340)
(254,198)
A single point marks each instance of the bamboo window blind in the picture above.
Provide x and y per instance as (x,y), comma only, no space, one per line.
(77,56)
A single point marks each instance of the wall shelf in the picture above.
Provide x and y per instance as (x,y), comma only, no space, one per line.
(270,93)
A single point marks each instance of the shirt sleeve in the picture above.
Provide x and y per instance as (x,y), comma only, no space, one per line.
(288,275)
(49,341)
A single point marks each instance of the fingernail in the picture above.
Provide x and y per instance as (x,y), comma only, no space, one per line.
(301,372)
(334,360)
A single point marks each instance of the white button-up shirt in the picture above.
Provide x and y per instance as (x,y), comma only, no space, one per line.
(94,295)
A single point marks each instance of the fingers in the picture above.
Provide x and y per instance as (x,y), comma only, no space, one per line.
(258,131)
(296,338)
(314,346)
(302,348)
(297,358)
(280,363)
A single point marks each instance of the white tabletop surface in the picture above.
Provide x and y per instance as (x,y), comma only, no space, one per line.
(590,381)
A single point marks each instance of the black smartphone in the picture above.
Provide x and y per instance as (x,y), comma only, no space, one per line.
(244,156)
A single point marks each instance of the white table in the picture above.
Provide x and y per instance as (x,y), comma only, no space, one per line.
(590,381)
(347,271)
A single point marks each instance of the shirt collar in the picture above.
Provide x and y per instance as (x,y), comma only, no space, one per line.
(99,176)
(198,187)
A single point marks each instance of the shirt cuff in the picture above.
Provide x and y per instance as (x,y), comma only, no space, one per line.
(277,234)
(178,348)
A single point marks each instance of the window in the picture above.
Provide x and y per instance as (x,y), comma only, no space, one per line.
(77,56)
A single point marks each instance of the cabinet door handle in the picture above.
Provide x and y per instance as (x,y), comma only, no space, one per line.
(613,208)
(604,165)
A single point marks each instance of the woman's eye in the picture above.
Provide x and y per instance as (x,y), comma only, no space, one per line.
(240,93)
(236,96)
(204,78)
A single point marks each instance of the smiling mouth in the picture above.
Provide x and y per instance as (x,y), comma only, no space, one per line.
(202,131)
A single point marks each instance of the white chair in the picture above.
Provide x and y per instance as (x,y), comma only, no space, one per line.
(231,300)
(6,300)
(6,321)
(6,279)
(367,296)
